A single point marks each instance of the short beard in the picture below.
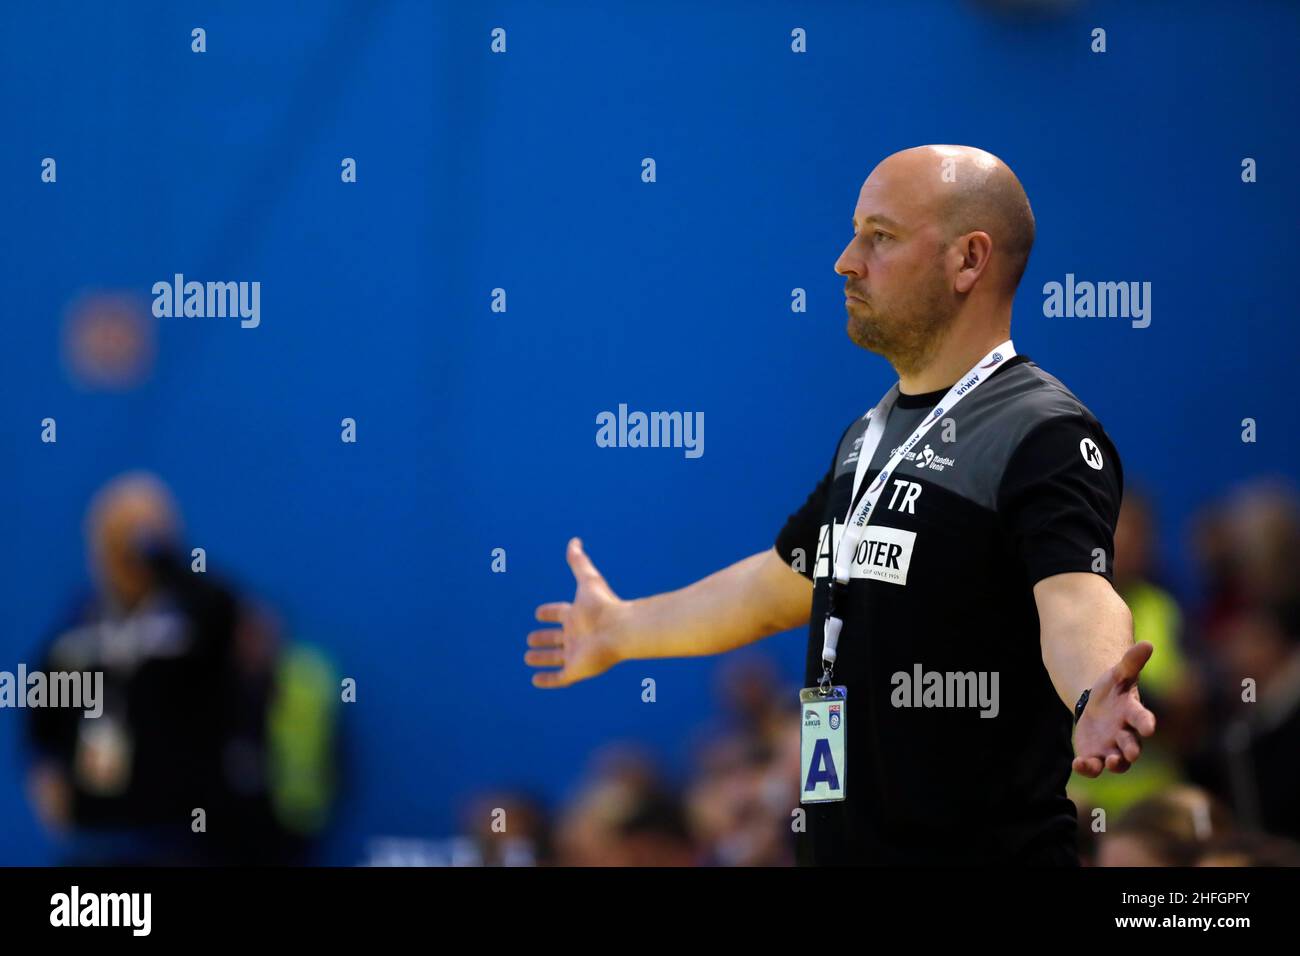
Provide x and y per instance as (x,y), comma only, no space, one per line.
(909,340)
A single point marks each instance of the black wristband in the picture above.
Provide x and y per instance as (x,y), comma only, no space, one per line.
(1083,702)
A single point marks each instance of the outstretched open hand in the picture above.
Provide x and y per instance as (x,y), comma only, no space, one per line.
(1108,734)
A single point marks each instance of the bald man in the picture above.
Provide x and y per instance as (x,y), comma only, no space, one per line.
(164,640)
(953,564)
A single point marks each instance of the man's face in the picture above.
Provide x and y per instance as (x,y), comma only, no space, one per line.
(119,526)
(898,295)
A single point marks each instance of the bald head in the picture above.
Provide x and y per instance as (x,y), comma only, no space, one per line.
(970,190)
(130,510)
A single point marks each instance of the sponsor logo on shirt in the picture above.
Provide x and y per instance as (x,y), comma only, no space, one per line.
(1091,454)
(884,554)
(926,458)
(853,455)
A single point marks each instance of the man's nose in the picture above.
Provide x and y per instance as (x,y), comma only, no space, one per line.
(850,263)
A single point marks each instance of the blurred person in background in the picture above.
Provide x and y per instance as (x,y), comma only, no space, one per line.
(1169,829)
(1157,617)
(1248,551)
(624,815)
(740,804)
(509,829)
(746,782)
(1217,585)
(1253,632)
(1252,760)
(200,709)
(654,833)
(750,690)
(1264,535)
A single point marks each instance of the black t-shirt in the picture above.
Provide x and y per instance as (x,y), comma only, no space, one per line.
(169,690)
(1018,483)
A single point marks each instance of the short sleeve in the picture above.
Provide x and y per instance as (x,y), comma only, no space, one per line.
(1059,498)
(803,528)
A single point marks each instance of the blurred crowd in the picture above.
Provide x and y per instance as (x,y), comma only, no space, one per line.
(1218,785)
(733,810)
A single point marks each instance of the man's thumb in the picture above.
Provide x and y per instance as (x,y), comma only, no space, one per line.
(579,563)
(1134,659)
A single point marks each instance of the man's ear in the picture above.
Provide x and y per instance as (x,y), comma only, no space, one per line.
(976,249)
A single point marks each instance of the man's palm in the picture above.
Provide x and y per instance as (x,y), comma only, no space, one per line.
(581,646)
(1109,733)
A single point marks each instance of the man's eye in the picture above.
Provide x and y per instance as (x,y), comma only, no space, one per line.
(880,235)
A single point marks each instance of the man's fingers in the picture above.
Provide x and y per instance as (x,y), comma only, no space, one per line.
(1130,665)
(554,612)
(1115,761)
(547,637)
(549,679)
(550,657)
(1141,719)
(1088,766)
(1116,764)
(1128,746)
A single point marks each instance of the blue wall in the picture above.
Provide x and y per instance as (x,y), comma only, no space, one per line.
(476,429)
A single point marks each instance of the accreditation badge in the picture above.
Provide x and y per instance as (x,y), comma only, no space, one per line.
(823,760)
(104,754)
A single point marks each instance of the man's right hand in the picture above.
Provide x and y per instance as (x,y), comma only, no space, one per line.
(584,644)
(757,596)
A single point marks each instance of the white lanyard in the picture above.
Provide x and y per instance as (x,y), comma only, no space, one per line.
(856,522)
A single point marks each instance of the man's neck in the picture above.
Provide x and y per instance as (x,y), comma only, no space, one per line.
(953,359)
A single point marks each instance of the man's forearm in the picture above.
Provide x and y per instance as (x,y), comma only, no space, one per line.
(742,603)
(1085,631)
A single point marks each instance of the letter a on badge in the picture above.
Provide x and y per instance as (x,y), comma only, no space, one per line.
(821,769)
